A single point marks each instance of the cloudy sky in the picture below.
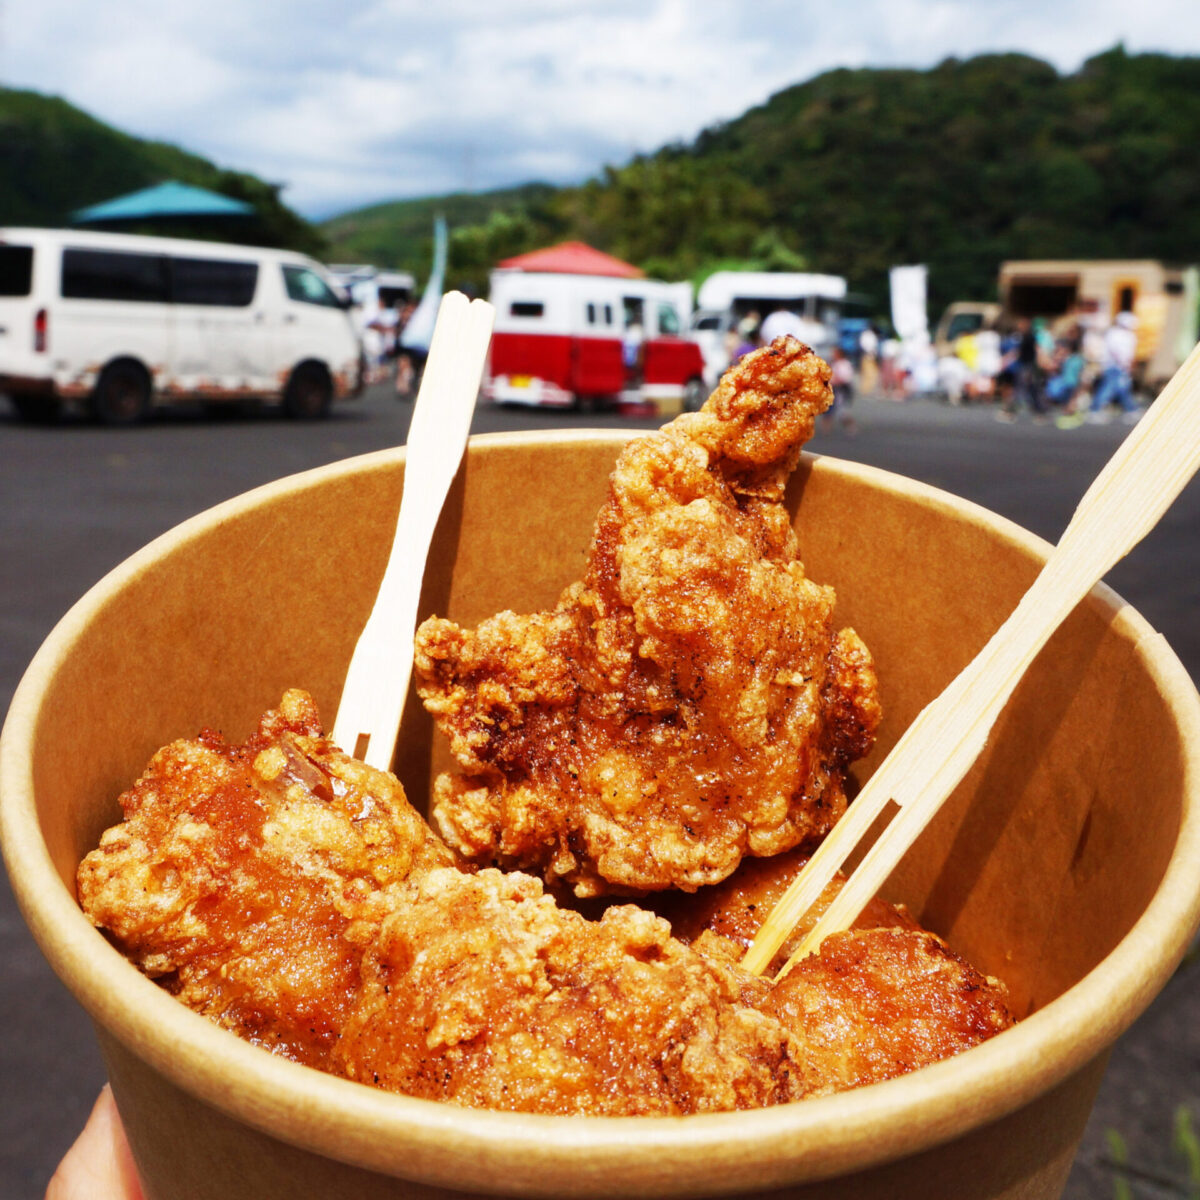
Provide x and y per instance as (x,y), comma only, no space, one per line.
(347,102)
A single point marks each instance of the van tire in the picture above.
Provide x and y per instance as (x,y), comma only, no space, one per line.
(694,394)
(122,394)
(309,393)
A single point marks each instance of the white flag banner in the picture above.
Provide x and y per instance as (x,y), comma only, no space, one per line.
(418,333)
(908,302)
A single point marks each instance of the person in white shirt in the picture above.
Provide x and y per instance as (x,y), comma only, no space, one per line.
(783,321)
(1116,379)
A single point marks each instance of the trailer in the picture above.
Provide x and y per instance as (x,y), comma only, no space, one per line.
(1093,292)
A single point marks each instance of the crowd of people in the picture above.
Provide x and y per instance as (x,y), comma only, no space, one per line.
(1076,371)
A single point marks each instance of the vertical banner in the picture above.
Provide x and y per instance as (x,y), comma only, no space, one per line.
(1189,326)
(418,333)
(908,302)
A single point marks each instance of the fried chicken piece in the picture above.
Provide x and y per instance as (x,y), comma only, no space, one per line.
(291,895)
(479,990)
(874,1004)
(737,907)
(688,702)
(247,879)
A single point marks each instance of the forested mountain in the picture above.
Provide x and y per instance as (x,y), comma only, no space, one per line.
(399,232)
(960,167)
(55,159)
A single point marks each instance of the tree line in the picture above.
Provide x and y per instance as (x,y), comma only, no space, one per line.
(960,167)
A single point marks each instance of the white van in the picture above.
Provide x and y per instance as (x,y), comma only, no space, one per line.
(115,323)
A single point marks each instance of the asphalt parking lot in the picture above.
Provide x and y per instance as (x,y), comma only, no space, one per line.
(77,499)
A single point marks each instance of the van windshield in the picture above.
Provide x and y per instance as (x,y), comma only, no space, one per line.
(308,287)
(16,270)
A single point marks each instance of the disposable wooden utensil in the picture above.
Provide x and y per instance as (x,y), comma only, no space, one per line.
(368,718)
(1125,501)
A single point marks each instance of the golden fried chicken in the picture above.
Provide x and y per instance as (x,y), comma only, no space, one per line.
(479,990)
(874,1004)
(689,701)
(247,879)
(291,895)
(876,1001)
(737,907)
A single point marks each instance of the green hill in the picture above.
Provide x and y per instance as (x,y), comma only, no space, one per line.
(960,166)
(55,159)
(399,233)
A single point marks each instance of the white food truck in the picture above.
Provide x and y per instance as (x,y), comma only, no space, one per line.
(116,323)
(725,297)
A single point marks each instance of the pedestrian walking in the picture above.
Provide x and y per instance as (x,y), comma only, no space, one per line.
(1115,385)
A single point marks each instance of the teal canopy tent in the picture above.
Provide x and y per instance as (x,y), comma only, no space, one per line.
(175,209)
(170,199)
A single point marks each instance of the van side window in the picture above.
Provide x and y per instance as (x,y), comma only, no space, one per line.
(16,270)
(591,314)
(608,314)
(114,275)
(213,281)
(308,287)
(526,308)
(668,320)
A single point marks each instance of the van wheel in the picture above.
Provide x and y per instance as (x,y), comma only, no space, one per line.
(309,393)
(122,395)
(694,395)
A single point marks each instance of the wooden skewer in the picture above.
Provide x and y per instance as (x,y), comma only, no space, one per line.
(368,718)
(1125,501)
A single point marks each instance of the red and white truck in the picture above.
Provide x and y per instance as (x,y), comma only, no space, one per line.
(586,341)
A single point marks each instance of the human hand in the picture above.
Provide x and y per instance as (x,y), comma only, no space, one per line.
(99,1166)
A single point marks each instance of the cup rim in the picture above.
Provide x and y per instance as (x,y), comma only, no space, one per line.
(446,1145)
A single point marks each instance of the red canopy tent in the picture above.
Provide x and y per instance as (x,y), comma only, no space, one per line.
(572,258)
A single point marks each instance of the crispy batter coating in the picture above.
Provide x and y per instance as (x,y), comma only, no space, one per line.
(290,894)
(479,990)
(737,907)
(688,702)
(874,1004)
(247,879)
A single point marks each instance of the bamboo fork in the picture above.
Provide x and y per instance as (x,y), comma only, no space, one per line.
(1125,501)
(368,718)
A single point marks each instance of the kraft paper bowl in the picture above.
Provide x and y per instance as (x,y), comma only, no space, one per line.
(1065,863)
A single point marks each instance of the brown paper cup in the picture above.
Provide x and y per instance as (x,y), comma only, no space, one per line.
(1065,863)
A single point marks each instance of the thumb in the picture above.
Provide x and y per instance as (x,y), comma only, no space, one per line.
(99,1166)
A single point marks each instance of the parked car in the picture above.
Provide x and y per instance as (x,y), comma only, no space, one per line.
(115,324)
(962,318)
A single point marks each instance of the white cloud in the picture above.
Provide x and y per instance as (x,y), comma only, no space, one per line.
(372,99)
